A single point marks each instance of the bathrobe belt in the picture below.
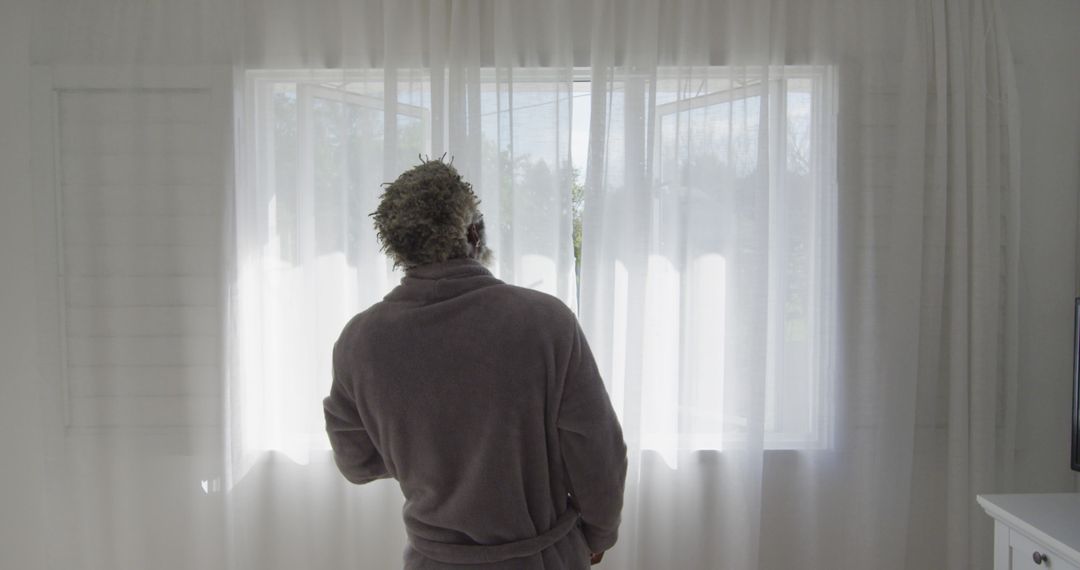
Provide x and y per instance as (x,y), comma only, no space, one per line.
(488,553)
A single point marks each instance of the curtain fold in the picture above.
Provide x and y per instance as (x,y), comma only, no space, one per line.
(798,232)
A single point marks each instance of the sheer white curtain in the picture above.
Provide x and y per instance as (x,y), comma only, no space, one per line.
(799,238)
(438,78)
(797,267)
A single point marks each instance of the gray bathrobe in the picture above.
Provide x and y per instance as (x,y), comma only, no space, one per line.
(483,400)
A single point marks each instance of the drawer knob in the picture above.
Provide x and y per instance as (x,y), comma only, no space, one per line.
(1039,557)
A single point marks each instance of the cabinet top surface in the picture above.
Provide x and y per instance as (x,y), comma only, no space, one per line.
(1054,515)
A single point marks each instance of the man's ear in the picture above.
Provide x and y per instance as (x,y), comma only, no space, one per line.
(473,234)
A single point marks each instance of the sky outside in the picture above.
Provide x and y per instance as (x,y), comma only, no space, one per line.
(579,130)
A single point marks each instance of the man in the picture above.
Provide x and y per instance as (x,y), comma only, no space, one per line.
(481,398)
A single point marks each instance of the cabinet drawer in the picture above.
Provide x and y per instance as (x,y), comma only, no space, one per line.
(1021,555)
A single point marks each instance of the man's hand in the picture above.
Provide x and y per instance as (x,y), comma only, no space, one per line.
(596,558)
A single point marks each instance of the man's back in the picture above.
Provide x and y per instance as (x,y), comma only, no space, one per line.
(483,401)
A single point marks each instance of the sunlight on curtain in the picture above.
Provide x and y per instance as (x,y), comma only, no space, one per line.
(705,342)
(325,143)
(738,234)
(660,366)
(713,198)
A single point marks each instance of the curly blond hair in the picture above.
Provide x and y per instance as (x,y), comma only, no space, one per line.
(424,216)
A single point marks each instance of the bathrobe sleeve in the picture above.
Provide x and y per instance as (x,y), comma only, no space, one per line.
(354,452)
(593,448)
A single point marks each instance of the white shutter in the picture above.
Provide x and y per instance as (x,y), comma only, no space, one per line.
(139,178)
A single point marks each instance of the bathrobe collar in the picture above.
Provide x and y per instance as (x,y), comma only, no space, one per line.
(442,280)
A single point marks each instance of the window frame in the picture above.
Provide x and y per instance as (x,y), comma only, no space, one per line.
(314,83)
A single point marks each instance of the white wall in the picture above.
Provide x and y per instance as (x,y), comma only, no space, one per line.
(1045,36)
(20,449)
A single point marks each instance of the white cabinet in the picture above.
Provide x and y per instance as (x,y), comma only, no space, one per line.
(1035,532)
